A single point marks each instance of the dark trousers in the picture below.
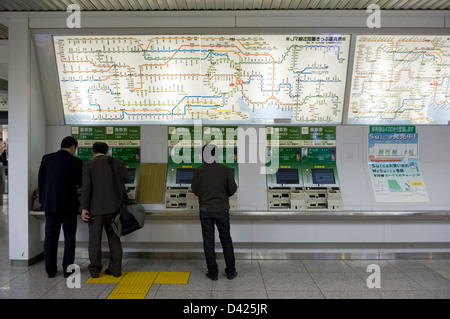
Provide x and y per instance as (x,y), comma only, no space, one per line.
(96,227)
(53,224)
(222,220)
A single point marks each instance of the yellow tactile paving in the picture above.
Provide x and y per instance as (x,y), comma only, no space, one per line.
(136,284)
(165,278)
(127,296)
(140,277)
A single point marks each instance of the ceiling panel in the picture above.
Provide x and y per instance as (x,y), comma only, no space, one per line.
(342,4)
(200,5)
(177,5)
(194,5)
(105,4)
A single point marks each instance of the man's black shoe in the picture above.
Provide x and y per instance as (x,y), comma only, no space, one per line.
(109,273)
(230,277)
(51,275)
(212,277)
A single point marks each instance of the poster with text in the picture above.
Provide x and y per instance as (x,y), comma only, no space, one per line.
(394,164)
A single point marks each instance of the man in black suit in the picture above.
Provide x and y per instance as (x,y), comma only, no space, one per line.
(100,204)
(213,183)
(59,176)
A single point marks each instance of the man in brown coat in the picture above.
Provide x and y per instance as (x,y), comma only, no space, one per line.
(100,204)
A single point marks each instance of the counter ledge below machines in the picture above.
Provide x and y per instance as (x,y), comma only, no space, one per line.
(282,215)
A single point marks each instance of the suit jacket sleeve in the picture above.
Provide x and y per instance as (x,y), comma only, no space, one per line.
(86,185)
(41,178)
(78,172)
(232,187)
(124,178)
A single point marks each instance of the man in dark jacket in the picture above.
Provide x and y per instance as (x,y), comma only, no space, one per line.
(100,203)
(213,183)
(59,176)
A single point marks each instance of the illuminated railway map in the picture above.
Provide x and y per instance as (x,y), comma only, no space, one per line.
(400,80)
(175,79)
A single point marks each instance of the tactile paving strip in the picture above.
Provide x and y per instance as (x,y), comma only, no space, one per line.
(127,296)
(136,284)
(140,277)
(179,278)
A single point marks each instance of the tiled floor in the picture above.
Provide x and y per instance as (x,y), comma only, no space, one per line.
(257,279)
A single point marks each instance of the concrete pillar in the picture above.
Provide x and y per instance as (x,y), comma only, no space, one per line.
(21,248)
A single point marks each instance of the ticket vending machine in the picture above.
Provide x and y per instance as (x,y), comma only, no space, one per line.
(283,169)
(179,194)
(304,176)
(285,184)
(185,155)
(321,180)
(131,157)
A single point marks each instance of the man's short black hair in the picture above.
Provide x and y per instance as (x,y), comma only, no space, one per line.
(100,147)
(69,141)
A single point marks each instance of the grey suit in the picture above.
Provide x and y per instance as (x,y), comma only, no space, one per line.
(99,196)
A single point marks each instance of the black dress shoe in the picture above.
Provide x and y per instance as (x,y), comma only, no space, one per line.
(230,277)
(212,277)
(109,273)
(51,275)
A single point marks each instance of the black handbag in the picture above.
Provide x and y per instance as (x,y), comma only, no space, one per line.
(131,215)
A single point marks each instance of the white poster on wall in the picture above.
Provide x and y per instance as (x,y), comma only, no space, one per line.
(394,164)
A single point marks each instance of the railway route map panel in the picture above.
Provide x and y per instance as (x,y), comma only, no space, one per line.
(219,79)
(400,79)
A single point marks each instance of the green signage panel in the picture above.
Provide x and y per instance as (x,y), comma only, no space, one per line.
(123,133)
(126,154)
(283,136)
(185,135)
(84,153)
(89,133)
(284,155)
(318,154)
(319,136)
(222,136)
(112,135)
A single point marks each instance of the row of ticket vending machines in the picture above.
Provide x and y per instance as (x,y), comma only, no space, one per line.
(300,162)
(301,174)
(289,188)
